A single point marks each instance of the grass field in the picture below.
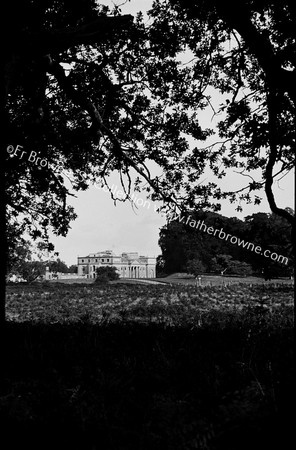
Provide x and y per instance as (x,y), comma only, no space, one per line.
(182,279)
(147,367)
(217,280)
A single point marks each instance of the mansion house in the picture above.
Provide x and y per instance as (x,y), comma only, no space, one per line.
(128,265)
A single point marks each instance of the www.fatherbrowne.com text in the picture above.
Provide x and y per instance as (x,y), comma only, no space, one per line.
(198,225)
(221,234)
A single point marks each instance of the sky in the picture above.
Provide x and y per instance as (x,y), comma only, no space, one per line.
(101,225)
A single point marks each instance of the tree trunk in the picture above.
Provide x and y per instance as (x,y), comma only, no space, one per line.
(39,44)
(3,237)
(3,252)
(5,79)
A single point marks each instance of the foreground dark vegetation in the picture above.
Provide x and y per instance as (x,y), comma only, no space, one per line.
(147,367)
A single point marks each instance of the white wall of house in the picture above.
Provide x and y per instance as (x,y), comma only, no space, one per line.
(61,276)
(128,265)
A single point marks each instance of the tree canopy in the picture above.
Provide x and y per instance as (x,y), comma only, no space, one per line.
(246,51)
(29,263)
(194,250)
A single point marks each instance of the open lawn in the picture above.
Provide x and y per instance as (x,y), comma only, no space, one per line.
(182,279)
(147,367)
(217,280)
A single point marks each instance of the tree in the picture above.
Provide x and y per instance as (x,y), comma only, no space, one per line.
(73,268)
(106,274)
(48,122)
(160,267)
(17,255)
(182,246)
(87,93)
(171,241)
(23,263)
(229,266)
(255,71)
(195,267)
(273,233)
(58,266)
(31,270)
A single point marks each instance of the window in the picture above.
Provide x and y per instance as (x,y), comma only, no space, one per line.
(96,260)
(108,260)
(102,260)
(82,260)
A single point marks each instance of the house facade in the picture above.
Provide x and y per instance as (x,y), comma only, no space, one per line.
(128,265)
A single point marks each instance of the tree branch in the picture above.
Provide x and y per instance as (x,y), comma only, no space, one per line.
(238,16)
(43,42)
(97,121)
(272,158)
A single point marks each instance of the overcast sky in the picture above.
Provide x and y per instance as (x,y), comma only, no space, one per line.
(102,226)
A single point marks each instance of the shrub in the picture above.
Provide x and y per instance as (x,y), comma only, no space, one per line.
(106,274)
(195,267)
(240,268)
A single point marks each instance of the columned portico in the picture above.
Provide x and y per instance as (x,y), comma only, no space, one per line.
(135,272)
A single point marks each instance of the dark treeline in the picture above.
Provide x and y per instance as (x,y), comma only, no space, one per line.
(193,250)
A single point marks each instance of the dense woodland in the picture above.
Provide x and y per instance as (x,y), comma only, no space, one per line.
(185,249)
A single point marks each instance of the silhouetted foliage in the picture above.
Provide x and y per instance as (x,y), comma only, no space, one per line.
(184,247)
